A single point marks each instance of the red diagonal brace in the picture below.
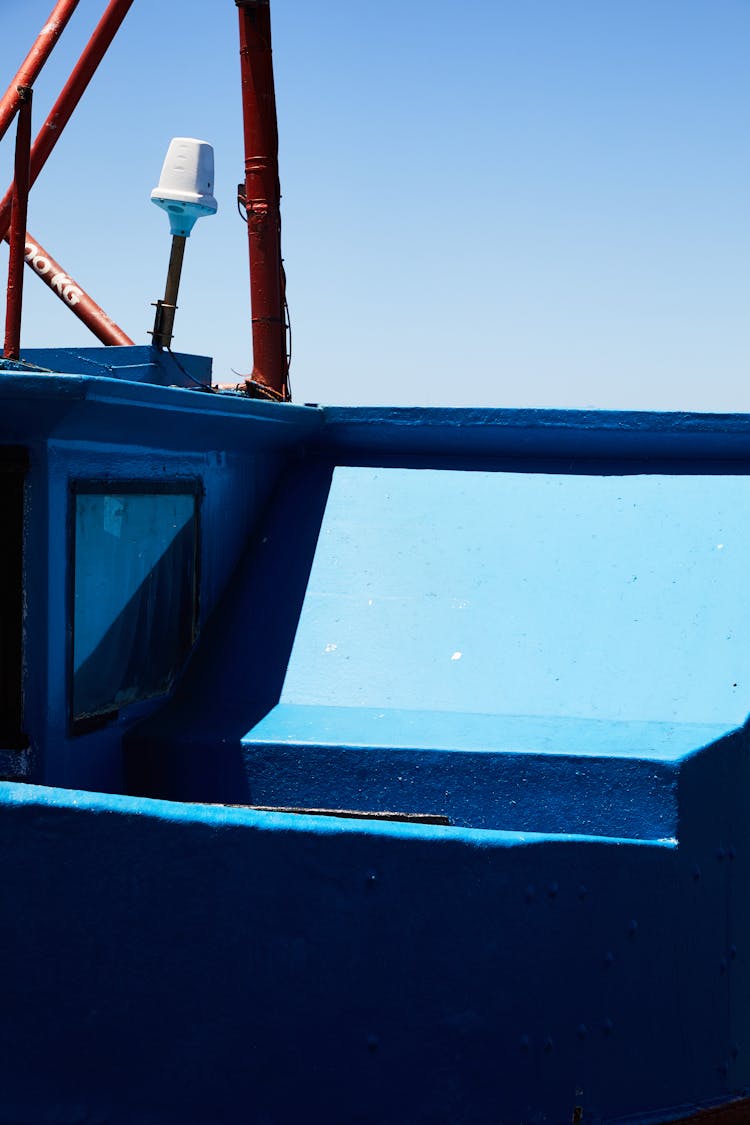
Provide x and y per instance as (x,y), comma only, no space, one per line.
(35,60)
(70,96)
(72,295)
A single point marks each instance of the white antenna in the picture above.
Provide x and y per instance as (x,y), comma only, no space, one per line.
(185,192)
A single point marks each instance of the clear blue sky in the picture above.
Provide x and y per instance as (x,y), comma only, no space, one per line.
(499,202)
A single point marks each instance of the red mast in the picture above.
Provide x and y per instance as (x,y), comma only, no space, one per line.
(71,94)
(31,66)
(28,165)
(270,375)
(17,235)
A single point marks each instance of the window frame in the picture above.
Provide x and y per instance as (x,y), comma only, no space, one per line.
(14,463)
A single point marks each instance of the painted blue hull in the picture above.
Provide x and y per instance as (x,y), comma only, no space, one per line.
(396,613)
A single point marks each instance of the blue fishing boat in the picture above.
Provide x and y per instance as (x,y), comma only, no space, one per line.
(359,765)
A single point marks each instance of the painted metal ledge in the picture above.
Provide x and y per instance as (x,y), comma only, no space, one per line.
(372,433)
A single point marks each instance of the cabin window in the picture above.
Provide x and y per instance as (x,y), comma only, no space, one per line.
(135,594)
(12,474)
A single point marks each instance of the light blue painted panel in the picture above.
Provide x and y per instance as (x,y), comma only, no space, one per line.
(463,732)
(530,594)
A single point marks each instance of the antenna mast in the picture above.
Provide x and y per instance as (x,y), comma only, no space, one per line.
(262,195)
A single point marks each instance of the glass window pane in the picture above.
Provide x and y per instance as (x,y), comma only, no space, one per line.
(134,598)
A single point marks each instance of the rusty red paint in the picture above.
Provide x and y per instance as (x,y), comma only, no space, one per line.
(70,96)
(262,198)
(736,1112)
(17,237)
(32,65)
(72,294)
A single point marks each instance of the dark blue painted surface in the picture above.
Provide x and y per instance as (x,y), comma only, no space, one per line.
(481,771)
(87,429)
(136,364)
(218,964)
(610,441)
(550,648)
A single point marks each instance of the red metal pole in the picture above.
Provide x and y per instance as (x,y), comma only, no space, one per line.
(14,300)
(70,96)
(262,197)
(35,60)
(71,294)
